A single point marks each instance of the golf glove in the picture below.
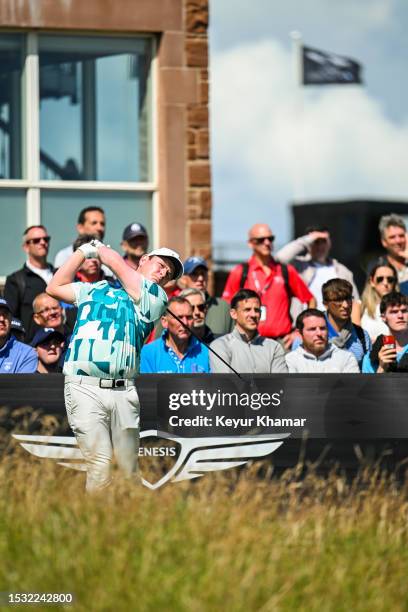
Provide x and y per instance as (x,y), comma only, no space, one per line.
(90,249)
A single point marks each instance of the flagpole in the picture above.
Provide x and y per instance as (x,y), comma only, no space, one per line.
(298,163)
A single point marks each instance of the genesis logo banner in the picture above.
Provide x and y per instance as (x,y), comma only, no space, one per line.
(194,424)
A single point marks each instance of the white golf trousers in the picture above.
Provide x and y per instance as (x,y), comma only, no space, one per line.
(104,422)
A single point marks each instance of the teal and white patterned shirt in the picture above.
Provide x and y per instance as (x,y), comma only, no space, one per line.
(111,328)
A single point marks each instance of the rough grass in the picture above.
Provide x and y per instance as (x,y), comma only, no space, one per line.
(229,541)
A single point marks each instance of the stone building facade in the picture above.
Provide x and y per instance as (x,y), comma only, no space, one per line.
(180,185)
(185,75)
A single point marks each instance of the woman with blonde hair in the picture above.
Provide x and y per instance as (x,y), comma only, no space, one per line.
(382,280)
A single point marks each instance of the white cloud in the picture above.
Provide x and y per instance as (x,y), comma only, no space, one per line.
(342,144)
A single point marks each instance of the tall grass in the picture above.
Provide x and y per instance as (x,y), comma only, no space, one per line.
(229,541)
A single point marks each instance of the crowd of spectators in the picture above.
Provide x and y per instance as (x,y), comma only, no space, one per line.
(296,311)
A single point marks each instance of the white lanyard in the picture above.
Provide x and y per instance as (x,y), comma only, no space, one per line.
(258,284)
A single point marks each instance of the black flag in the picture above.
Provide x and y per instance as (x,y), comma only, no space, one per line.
(322,68)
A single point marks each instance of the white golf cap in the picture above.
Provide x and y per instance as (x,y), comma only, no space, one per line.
(175,257)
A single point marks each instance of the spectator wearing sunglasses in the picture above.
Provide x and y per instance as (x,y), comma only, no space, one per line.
(274,282)
(197,299)
(25,284)
(343,333)
(310,255)
(218,312)
(381,281)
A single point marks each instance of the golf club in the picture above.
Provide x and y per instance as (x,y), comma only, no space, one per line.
(205,343)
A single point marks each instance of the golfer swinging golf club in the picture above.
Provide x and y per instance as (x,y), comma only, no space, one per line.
(103,356)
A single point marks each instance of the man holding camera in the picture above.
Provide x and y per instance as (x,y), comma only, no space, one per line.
(390,352)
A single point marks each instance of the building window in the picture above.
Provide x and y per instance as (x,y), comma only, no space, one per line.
(11,70)
(76,116)
(12,226)
(94,109)
(58,207)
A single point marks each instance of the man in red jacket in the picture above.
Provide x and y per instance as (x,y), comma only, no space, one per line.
(275,283)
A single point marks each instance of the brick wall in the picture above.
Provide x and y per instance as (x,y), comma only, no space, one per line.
(198,238)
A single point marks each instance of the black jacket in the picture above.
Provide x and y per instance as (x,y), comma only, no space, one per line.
(208,335)
(20,290)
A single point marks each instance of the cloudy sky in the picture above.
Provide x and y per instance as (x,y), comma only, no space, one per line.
(273,141)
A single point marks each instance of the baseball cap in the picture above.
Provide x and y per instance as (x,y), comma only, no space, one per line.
(3,304)
(44,334)
(133,230)
(17,325)
(194,262)
(175,257)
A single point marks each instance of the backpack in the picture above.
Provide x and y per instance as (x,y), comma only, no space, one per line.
(361,336)
(285,275)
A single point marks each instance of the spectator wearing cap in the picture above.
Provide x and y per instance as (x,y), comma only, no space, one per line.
(49,345)
(135,242)
(218,316)
(15,357)
(23,285)
(91,220)
(17,329)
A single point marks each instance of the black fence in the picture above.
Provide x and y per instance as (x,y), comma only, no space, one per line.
(341,418)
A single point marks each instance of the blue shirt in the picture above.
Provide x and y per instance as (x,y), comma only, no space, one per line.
(110,329)
(368,367)
(353,344)
(158,358)
(17,358)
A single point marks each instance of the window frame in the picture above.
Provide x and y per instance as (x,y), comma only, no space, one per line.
(30,145)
